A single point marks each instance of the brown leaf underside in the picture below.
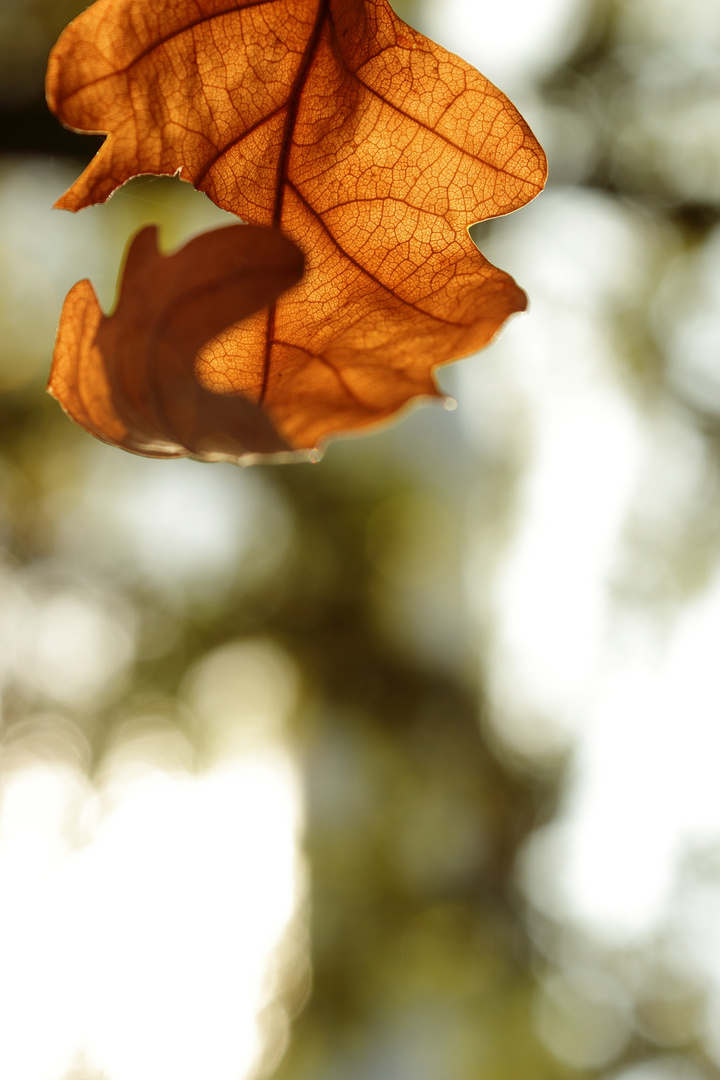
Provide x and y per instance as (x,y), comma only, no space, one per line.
(128,378)
(369,145)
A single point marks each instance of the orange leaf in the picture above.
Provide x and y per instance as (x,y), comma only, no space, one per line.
(129,378)
(369,145)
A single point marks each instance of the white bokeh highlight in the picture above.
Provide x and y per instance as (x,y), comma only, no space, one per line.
(139,916)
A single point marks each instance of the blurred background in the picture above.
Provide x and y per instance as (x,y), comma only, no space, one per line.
(402,765)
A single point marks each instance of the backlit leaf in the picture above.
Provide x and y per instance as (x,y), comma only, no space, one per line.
(369,145)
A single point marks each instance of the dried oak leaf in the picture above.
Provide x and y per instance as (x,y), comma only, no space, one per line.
(128,378)
(369,145)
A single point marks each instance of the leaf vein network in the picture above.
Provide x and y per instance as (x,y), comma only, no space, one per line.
(161,41)
(363,269)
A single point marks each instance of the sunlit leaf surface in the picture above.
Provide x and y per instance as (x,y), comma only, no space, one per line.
(370,146)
